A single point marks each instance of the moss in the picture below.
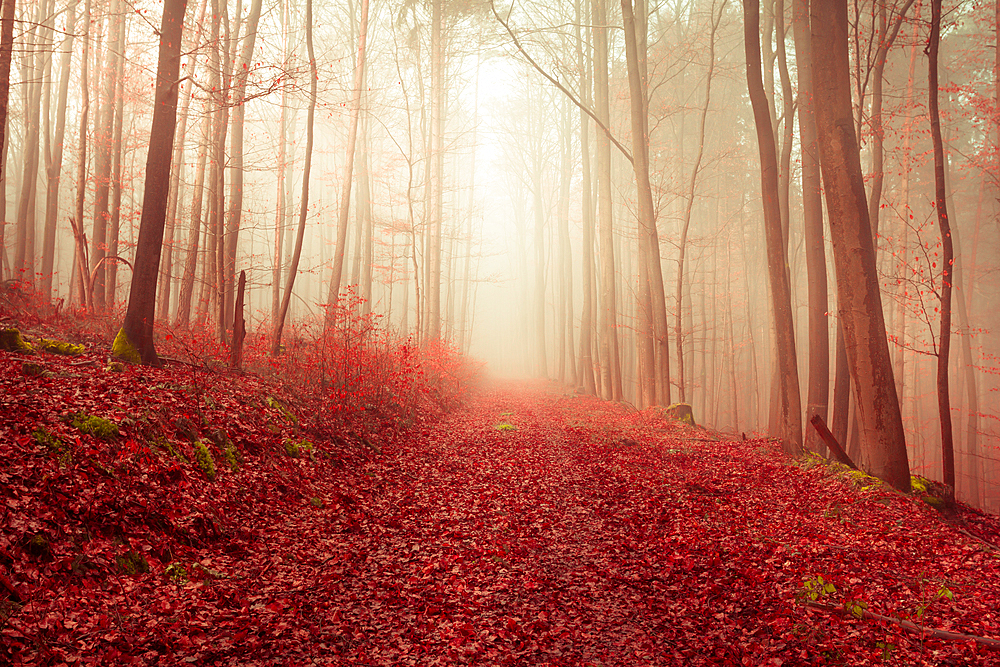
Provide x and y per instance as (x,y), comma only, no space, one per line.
(285,412)
(115,367)
(11,341)
(53,444)
(38,546)
(100,428)
(504,426)
(123,348)
(60,347)
(177,573)
(296,449)
(316,502)
(682,412)
(131,563)
(232,456)
(204,459)
(860,479)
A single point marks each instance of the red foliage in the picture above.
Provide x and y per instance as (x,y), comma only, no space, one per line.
(528,527)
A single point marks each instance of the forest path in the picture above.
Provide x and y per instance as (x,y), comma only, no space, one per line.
(539,528)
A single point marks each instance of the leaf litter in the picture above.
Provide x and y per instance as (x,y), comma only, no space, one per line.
(584,534)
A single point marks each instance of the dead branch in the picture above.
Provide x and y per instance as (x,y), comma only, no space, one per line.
(909,626)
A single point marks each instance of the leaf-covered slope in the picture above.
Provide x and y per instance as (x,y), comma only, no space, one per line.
(528,528)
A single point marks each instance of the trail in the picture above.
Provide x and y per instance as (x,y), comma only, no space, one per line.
(586,535)
(530,527)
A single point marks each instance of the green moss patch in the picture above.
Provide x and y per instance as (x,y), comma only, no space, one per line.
(53,444)
(298,449)
(123,348)
(285,412)
(100,428)
(205,461)
(60,347)
(11,341)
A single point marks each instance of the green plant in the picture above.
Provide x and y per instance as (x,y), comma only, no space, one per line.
(504,426)
(232,456)
(132,562)
(296,449)
(316,502)
(285,412)
(100,428)
(177,573)
(54,444)
(204,459)
(115,367)
(817,588)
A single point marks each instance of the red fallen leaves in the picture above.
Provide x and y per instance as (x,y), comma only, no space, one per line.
(584,535)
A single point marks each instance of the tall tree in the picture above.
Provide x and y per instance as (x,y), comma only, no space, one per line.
(240,76)
(859,302)
(54,168)
(345,191)
(611,370)
(947,251)
(293,266)
(135,339)
(790,415)
(6,50)
(818,390)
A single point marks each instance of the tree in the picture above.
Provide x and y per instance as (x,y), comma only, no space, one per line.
(947,252)
(818,390)
(859,301)
(345,191)
(6,49)
(135,339)
(790,415)
(293,267)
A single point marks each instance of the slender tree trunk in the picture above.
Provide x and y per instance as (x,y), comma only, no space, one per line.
(817,398)
(947,253)
(6,51)
(612,379)
(111,276)
(55,165)
(586,318)
(293,266)
(790,415)
(689,206)
(86,296)
(137,330)
(859,301)
(345,193)
(103,143)
(236,159)
(194,240)
(24,258)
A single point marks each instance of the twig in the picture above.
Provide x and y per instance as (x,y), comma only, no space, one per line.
(989,545)
(909,626)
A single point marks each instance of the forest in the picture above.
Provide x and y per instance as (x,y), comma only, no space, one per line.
(312,229)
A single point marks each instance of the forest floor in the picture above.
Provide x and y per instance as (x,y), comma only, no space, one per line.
(531,526)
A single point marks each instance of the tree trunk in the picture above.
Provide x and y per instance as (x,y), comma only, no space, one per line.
(6,51)
(194,240)
(293,266)
(586,318)
(611,375)
(947,252)
(111,279)
(817,397)
(790,415)
(86,296)
(55,166)
(103,142)
(345,192)
(137,330)
(24,257)
(236,159)
(859,301)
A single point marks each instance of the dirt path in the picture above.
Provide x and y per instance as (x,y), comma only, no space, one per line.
(529,528)
(536,528)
